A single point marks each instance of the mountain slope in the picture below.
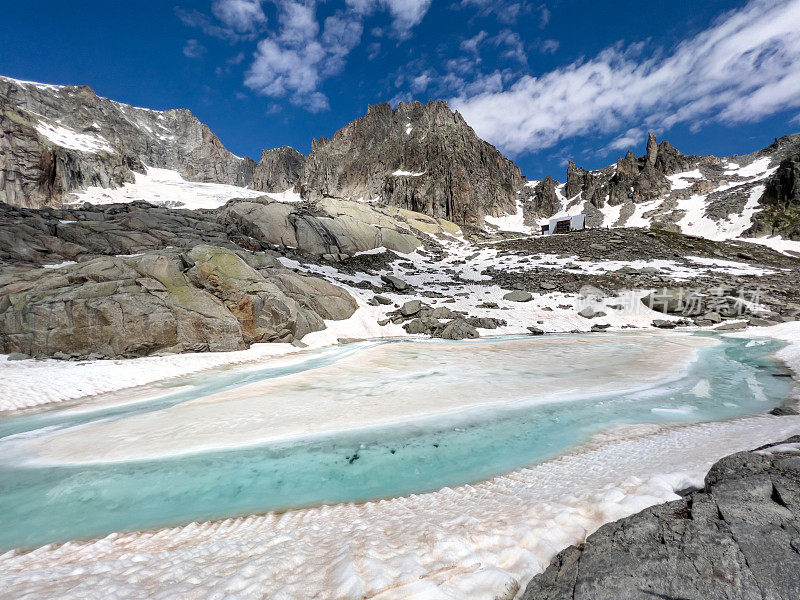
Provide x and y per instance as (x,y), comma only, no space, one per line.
(58,139)
(420,157)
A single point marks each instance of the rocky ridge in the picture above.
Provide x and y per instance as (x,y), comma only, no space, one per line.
(752,195)
(58,139)
(737,538)
(136,279)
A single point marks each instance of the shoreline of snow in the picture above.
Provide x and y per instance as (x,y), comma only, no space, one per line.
(484,540)
(785,332)
(31,383)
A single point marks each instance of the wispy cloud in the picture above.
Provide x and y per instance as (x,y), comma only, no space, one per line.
(193,49)
(213,27)
(506,11)
(406,14)
(745,66)
(626,141)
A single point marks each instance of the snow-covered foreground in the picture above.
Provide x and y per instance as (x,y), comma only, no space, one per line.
(31,383)
(385,385)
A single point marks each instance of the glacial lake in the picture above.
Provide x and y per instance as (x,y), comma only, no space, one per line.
(358,422)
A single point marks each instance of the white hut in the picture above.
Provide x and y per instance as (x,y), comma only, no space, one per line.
(565,224)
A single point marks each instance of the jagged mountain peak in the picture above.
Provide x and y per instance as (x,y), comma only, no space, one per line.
(423,157)
(753,194)
(278,169)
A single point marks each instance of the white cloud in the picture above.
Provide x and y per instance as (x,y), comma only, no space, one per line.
(211,27)
(240,15)
(549,46)
(744,67)
(193,49)
(632,137)
(406,14)
(296,60)
(505,11)
(471,44)
(420,83)
(512,45)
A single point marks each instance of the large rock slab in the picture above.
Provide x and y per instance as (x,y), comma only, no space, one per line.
(208,298)
(738,538)
(331,227)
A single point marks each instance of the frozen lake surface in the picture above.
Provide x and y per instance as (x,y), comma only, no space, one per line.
(359,422)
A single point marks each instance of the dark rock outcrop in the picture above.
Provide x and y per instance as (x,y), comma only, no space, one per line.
(632,180)
(638,179)
(780,203)
(737,538)
(544,202)
(278,170)
(420,157)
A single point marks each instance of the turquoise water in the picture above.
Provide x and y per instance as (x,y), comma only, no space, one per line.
(41,504)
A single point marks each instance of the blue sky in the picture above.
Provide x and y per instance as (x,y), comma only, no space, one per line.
(544,81)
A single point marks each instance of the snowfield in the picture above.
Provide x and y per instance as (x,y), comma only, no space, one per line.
(167,188)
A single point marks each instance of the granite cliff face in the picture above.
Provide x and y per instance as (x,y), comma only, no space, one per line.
(422,157)
(780,214)
(58,139)
(278,170)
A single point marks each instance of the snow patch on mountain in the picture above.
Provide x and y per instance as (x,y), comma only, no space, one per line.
(515,222)
(71,139)
(167,188)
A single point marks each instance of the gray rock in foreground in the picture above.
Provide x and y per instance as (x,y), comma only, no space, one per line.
(208,298)
(738,538)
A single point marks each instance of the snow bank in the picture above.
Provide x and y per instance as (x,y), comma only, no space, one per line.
(401,173)
(31,383)
(276,410)
(515,222)
(786,332)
